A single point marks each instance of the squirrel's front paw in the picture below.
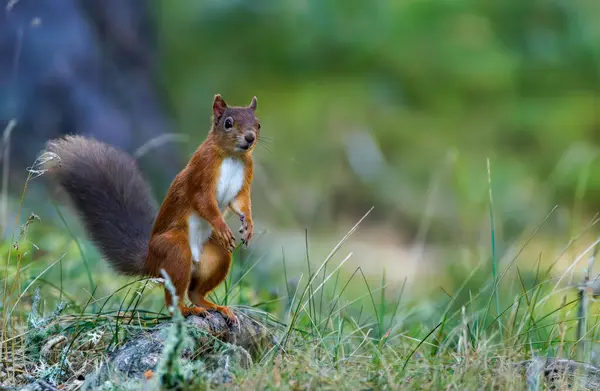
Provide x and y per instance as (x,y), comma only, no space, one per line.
(225,236)
(247,229)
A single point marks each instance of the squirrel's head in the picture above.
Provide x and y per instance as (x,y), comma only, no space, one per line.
(235,128)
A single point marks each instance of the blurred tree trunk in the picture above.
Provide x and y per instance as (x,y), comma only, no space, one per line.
(86,67)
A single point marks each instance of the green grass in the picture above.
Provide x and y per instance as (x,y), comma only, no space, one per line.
(336,328)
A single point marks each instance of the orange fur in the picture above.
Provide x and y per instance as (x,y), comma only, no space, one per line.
(194,191)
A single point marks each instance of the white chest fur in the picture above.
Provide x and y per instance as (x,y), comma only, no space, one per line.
(229,184)
(230,181)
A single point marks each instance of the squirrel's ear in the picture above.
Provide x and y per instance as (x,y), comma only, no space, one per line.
(219,106)
(253,104)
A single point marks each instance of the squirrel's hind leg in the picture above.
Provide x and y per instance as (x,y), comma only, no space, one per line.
(171,252)
(211,271)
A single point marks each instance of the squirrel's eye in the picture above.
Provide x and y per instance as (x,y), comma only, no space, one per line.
(259,125)
(228,123)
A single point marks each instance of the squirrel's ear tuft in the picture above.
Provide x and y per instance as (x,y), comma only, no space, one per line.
(253,104)
(219,106)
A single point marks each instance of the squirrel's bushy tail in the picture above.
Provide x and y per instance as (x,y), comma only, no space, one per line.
(111,197)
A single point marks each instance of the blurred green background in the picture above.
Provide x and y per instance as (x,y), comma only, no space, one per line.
(398,104)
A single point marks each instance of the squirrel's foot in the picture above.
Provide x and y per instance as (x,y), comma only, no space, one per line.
(227,313)
(195,310)
(209,305)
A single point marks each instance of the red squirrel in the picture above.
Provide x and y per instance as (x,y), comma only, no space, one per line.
(188,236)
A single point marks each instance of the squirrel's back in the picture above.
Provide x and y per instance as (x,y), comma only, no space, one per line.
(111,197)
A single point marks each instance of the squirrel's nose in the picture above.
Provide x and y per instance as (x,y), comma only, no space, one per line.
(249,136)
